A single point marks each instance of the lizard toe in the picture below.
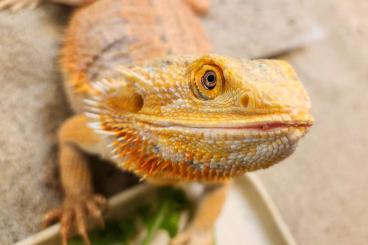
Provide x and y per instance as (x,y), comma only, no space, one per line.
(80,219)
(66,223)
(51,217)
(75,215)
(95,211)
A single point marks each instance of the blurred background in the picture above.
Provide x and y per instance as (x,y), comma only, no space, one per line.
(321,191)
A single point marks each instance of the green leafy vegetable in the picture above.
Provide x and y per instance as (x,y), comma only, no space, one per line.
(161,214)
(166,216)
(115,232)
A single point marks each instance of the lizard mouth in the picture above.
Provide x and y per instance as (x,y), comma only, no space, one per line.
(265,125)
(259,126)
(271,125)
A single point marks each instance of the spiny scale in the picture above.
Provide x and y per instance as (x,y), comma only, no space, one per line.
(138,160)
(128,146)
(151,165)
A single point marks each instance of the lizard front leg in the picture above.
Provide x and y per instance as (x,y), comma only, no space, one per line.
(200,231)
(80,201)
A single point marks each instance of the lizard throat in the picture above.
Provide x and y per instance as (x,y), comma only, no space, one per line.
(198,154)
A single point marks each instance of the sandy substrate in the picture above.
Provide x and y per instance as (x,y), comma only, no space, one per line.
(31,98)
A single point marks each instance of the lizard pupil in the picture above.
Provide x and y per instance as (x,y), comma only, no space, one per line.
(209,80)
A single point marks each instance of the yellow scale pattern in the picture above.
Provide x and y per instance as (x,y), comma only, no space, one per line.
(160,128)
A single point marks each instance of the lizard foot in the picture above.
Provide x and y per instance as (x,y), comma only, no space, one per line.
(194,237)
(75,212)
(15,5)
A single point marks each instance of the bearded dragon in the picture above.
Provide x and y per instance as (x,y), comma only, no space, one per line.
(149,97)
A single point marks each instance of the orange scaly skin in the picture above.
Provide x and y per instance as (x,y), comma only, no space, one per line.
(147,106)
(256,117)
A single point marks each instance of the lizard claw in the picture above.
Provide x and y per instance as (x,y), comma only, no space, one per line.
(194,236)
(16,5)
(75,213)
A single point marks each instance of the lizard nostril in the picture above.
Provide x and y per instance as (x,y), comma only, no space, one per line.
(244,100)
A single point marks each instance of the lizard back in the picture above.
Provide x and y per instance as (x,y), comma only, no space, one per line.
(111,33)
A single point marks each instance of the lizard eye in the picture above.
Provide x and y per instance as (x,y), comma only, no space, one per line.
(207,82)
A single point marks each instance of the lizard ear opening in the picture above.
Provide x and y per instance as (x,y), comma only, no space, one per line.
(125,100)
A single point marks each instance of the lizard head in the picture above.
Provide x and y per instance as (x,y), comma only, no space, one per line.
(202,118)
